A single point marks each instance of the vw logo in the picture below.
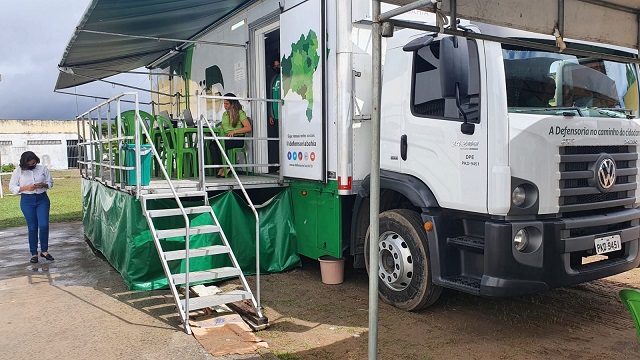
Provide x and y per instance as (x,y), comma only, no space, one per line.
(606,173)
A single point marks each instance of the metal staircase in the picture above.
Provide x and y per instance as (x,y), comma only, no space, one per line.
(93,119)
(185,303)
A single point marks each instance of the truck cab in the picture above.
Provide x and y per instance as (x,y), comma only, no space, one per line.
(521,180)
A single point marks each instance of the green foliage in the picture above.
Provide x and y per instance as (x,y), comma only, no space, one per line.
(114,129)
(8,168)
(66,200)
(299,67)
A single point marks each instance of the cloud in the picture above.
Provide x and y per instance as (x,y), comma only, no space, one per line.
(34,36)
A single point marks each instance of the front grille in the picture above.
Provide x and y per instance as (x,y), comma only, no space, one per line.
(577,178)
(599,230)
(594,198)
(578,183)
(609,149)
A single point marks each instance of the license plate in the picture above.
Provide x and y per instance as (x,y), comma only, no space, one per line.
(607,244)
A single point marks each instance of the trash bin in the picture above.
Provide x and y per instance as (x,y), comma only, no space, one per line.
(145,163)
(331,270)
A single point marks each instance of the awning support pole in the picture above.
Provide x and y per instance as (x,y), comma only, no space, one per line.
(163,39)
(453,14)
(121,84)
(512,41)
(610,5)
(560,20)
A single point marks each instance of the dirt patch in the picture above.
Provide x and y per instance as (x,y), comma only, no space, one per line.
(315,321)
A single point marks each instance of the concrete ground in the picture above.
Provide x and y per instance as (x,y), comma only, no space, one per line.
(77,307)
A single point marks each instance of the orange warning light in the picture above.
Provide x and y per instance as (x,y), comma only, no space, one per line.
(428,226)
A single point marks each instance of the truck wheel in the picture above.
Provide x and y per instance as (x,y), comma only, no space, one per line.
(404,275)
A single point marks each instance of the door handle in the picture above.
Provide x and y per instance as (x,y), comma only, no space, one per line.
(403,147)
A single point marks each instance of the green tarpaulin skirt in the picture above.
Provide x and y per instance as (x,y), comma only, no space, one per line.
(113,221)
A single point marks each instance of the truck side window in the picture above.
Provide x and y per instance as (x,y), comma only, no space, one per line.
(426,97)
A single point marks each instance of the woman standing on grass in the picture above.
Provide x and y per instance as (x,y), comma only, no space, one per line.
(31,181)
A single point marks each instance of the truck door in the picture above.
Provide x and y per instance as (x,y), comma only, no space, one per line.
(432,145)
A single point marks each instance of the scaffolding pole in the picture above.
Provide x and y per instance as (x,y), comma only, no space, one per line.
(374,230)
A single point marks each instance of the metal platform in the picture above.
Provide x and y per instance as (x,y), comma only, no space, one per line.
(158,185)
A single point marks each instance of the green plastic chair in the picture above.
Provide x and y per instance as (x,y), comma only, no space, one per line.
(186,159)
(166,148)
(169,152)
(129,119)
(231,154)
(154,132)
(631,298)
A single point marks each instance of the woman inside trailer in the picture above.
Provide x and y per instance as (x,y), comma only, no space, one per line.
(234,123)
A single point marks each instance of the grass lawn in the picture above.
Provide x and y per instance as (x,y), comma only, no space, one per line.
(66,200)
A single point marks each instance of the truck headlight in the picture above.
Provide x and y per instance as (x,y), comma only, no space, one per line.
(518,196)
(521,240)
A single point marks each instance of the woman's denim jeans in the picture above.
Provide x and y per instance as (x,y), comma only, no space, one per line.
(35,208)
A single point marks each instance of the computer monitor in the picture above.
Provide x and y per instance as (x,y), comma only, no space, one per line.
(188,119)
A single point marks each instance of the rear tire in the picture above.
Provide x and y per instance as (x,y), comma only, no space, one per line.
(404,273)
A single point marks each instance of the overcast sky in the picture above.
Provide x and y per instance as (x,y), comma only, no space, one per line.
(34,36)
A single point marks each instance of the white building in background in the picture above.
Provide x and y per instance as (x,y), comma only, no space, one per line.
(54,141)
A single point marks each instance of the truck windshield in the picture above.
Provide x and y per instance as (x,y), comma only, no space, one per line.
(541,82)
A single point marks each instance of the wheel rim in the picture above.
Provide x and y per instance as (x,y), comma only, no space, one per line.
(395,262)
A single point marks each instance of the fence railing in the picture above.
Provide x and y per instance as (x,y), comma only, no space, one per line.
(203,122)
(1,189)
(100,153)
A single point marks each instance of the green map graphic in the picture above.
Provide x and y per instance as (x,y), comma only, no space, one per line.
(299,67)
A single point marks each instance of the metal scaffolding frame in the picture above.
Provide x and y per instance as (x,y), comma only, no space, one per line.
(381,21)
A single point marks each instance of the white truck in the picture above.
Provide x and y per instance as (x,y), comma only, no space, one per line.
(507,167)
(528,183)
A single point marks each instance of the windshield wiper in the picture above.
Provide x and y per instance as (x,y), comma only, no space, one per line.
(565,111)
(615,112)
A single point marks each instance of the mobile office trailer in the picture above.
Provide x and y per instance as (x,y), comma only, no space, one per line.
(524,181)
(510,183)
(536,189)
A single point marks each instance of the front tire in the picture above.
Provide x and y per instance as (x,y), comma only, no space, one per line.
(404,274)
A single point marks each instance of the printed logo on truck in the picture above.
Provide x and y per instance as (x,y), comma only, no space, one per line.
(607,173)
(299,67)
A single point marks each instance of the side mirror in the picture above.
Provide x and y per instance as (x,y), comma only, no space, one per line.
(454,64)
(419,43)
(467,128)
(454,75)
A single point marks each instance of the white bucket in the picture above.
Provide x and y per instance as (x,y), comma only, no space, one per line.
(331,270)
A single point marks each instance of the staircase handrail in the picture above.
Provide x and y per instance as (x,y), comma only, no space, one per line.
(140,126)
(201,118)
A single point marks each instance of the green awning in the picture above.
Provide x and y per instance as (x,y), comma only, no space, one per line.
(91,56)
